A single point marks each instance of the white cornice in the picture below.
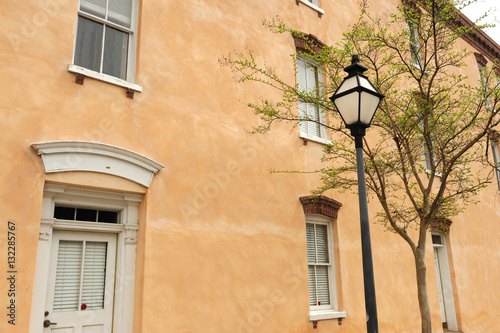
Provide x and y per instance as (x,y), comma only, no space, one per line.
(60,156)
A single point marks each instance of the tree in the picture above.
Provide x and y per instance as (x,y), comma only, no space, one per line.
(425,162)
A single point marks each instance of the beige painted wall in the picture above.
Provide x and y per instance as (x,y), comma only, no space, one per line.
(222,241)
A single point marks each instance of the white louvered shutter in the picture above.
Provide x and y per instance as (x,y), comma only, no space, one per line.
(312,110)
(94,273)
(72,288)
(322,282)
(68,272)
(312,286)
(302,82)
(94,7)
(322,244)
(319,261)
(311,258)
(308,81)
(120,12)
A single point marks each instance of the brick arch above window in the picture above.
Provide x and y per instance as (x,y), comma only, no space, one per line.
(307,43)
(480,59)
(441,225)
(494,136)
(320,205)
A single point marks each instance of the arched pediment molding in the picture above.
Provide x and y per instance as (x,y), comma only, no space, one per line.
(62,156)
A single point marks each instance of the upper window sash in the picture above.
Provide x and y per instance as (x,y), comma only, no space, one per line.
(119,12)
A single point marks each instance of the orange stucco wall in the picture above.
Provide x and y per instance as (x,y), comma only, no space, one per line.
(221,245)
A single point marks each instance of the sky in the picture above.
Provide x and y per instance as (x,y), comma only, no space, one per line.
(475,10)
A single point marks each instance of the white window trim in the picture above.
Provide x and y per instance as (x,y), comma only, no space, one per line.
(131,54)
(496,159)
(446,277)
(313,6)
(104,77)
(331,311)
(483,81)
(326,314)
(427,161)
(415,58)
(126,230)
(314,138)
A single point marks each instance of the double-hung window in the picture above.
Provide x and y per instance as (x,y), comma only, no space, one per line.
(496,159)
(484,82)
(321,268)
(105,37)
(428,152)
(310,82)
(414,43)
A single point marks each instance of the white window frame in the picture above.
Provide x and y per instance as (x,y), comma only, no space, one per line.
(330,311)
(414,44)
(304,133)
(128,82)
(496,159)
(314,4)
(126,231)
(446,280)
(482,77)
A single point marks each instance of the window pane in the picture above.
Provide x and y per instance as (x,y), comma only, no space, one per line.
(86,215)
(94,273)
(120,12)
(107,216)
(115,53)
(322,243)
(94,7)
(88,44)
(64,213)
(311,244)
(67,287)
(323,289)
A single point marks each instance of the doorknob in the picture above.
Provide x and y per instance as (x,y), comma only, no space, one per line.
(47,323)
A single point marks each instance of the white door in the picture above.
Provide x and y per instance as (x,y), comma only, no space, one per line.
(440,285)
(81,283)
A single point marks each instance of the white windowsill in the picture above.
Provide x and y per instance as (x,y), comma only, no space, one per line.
(326,314)
(313,6)
(314,139)
(104,77)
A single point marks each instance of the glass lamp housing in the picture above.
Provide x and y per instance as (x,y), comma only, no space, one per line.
(356,99)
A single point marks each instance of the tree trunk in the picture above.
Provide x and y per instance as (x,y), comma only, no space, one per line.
(423,300)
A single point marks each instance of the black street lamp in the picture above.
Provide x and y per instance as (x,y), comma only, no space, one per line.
(357,100)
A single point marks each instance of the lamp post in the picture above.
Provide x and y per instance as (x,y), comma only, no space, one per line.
(357,100)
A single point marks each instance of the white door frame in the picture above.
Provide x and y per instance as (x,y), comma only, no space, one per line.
(126,229)
(447,287)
